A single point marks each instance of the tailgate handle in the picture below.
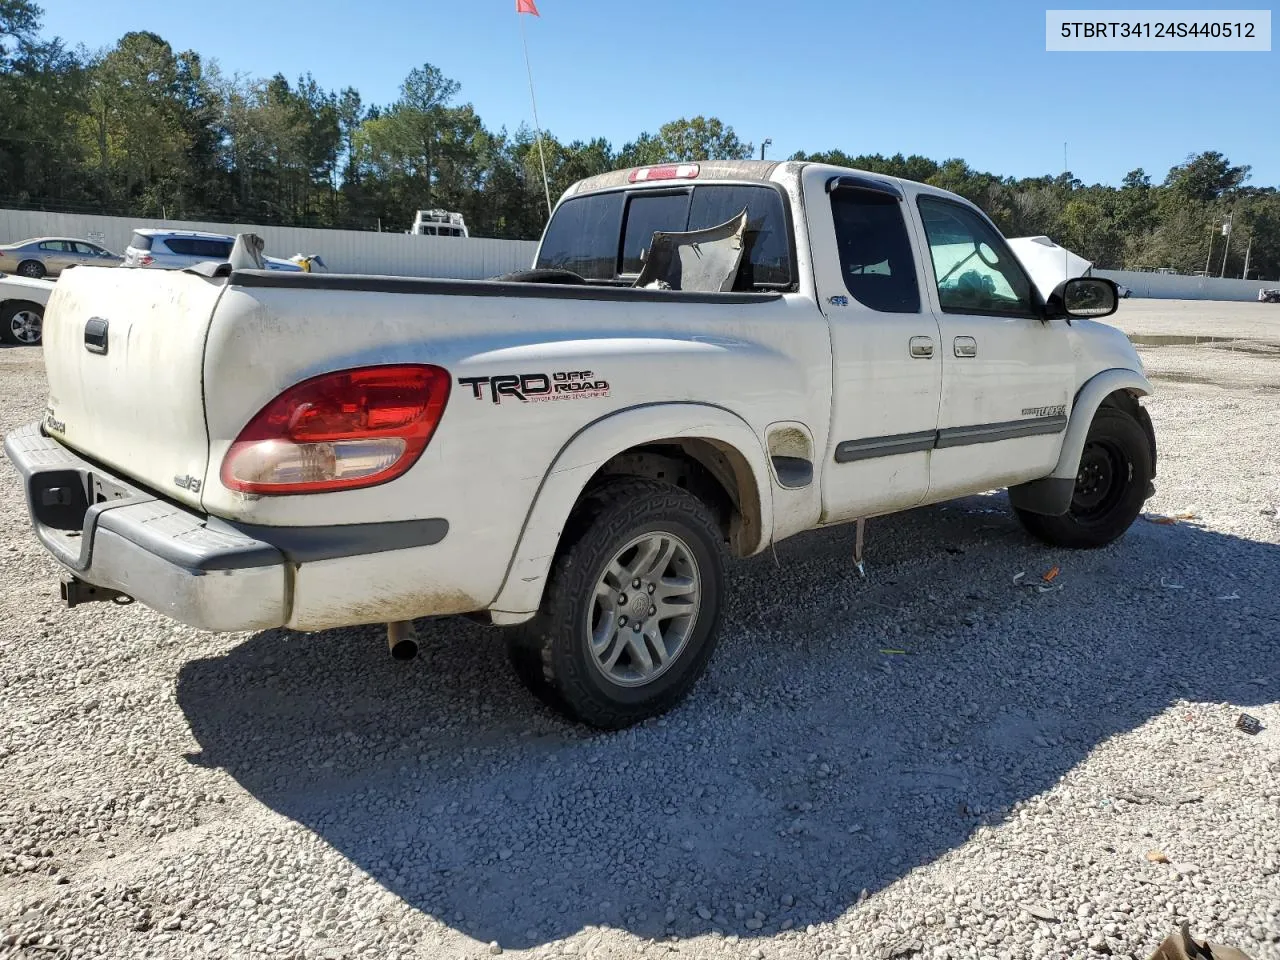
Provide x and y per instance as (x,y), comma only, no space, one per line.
(95,335)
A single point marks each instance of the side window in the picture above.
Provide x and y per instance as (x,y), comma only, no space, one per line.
(54,246)
(181,246)
(975,270)
(876,260)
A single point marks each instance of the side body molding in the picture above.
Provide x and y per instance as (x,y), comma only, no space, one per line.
(585,453)
(1051,495)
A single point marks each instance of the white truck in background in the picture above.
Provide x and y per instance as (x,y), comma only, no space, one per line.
(439,223)
(706,359)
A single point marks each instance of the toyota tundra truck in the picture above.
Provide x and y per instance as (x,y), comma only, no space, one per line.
(704,359)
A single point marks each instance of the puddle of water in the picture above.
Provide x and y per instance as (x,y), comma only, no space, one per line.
(1259,348)
(1174,340)
(1177,377)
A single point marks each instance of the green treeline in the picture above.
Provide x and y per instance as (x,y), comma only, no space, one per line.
(142,130)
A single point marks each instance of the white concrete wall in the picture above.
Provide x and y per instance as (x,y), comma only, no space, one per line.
(343,251)
(1169,286)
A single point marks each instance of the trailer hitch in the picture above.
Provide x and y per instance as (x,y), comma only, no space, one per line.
(76,591)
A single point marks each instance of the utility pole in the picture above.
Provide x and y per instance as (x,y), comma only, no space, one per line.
(1247,250)
(1226,229)
(767,143)
(1213,224)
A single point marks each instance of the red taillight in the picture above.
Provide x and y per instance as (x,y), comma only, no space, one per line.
(668,171)
(339,431)
(146,260)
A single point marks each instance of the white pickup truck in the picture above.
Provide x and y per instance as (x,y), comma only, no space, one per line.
(706,359)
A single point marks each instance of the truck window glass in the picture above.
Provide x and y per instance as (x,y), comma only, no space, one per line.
(875,252)
(140,241)
(974,268)
(767,261)
(646,214)
(583,236)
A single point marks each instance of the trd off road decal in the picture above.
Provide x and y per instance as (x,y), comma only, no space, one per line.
(537,387)
(1057,411)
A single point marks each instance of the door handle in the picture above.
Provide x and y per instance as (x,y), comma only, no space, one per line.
(921,347)
(966,347)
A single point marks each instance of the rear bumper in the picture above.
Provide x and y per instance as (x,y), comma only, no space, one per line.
(196,569)
(120,538)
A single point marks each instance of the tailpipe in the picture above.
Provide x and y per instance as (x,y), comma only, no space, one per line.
(402,640)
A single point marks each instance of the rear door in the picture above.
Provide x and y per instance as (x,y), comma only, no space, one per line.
(1007,375)
(887,372)
(124,353)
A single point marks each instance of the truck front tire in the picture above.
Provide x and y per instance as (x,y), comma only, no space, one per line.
(632,606)
(1112,483)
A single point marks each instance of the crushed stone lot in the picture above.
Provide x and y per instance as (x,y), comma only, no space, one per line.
(1035,775)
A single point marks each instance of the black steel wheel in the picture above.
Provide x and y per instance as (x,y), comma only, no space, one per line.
(1111,485)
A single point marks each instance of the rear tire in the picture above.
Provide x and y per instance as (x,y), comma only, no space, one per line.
(32,269)
(1111,486)
(21,324)
(603,651)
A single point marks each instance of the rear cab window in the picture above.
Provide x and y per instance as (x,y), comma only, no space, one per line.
(140,241)
(605,237)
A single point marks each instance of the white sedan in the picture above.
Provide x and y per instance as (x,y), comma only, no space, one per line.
(22,303)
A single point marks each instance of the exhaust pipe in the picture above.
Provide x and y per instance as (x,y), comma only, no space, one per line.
(402,640)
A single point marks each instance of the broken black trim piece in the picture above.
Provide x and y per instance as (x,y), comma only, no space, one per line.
(852,450)
(872,447)
(1048,496)
(995,432)
(487,288)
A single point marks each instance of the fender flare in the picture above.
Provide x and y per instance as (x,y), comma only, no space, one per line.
(579,460)
(1051,495)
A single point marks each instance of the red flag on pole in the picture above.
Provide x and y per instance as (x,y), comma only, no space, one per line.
(526,6)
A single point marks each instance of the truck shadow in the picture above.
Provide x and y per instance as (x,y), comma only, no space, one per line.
(807,767)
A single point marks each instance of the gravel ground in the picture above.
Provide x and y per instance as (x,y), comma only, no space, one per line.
(1038,775)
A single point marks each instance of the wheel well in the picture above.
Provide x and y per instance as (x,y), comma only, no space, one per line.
(1126,400)
(16,304)
(1122,399)
(715,473)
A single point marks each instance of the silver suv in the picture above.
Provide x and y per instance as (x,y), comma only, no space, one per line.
(178,249)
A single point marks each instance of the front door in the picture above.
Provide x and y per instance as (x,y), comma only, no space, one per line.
(1007,374)
(886,362)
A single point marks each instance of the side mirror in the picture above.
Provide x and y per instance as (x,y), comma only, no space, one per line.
(1083,298)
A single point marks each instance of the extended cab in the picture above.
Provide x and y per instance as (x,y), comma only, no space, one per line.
(704,360)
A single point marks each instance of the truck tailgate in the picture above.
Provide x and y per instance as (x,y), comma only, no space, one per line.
(124,351)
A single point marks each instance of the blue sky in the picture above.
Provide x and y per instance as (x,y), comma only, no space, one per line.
(914,76)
